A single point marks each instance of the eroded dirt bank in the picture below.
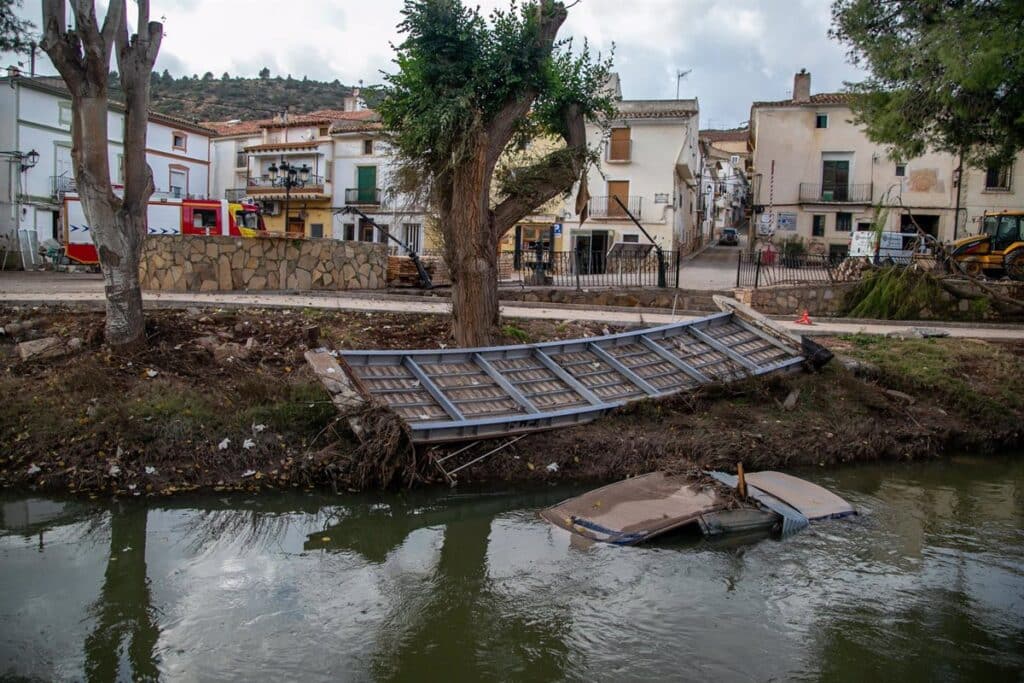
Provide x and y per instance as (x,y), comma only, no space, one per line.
(223,400)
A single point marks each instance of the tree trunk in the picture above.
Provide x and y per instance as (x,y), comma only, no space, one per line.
(472,247)
(116,233)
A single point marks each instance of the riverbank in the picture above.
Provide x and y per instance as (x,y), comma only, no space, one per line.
(223,400)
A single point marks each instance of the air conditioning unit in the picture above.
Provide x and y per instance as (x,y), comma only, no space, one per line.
(734,160)
(272,208)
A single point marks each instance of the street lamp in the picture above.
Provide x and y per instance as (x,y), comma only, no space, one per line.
(25,161)
(287,176)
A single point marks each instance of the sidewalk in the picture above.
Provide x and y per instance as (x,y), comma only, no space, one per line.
(88,293)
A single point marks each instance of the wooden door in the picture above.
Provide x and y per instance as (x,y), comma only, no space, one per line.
(620,189)
(366,181)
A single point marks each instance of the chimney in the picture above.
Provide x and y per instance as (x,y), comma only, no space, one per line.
(802,86)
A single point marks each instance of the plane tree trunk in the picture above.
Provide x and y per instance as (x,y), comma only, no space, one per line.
(82,57)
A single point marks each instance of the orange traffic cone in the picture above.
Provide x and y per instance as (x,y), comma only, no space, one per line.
(805,319)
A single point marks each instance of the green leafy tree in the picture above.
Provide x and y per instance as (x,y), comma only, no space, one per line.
(944,74)
(468,89)
(15,33)
(264,73)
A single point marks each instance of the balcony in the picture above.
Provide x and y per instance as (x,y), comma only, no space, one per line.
(835,194)
(607,207)
(60,185)
(362,196)
(261,186)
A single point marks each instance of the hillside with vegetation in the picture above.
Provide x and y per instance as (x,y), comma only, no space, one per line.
(217,98)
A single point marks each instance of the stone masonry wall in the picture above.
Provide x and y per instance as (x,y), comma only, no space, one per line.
(823,299)
(183,263)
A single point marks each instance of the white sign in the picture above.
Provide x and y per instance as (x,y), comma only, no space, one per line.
(787,222)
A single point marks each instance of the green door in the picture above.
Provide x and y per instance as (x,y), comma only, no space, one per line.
(367,184)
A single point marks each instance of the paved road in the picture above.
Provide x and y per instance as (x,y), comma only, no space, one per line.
(83,290)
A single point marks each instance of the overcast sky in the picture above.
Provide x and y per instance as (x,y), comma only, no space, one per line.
(738,50)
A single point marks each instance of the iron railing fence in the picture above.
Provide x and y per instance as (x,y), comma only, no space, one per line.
(854,193)
(61,185)
(765,269)
(265,183)
(607,207)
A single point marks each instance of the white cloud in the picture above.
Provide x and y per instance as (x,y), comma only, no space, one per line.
(739,51)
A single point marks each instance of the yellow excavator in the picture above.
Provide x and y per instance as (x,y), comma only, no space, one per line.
(997,250)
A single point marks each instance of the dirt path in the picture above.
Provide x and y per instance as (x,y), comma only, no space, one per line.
(28,290)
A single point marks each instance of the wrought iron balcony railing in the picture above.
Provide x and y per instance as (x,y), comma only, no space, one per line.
(607,207)
(362,196)
(835,194)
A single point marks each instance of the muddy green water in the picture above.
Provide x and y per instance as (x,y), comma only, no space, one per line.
(926,585)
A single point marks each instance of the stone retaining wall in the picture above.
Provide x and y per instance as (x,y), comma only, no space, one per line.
(821,299)
(184,263)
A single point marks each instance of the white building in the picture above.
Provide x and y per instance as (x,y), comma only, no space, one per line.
(724,186)
(35,116)
(820,177)
(650,162)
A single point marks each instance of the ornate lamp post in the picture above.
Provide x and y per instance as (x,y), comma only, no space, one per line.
(288,176)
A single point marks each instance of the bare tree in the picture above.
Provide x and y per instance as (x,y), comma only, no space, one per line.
(81,55)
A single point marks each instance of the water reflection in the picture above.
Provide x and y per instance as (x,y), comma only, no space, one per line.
(928,584)
(125,622)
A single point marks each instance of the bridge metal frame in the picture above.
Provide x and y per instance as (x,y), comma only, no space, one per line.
(452,395)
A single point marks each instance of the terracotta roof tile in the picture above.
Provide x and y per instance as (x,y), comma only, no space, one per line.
(734,135)
(819,99)
(235,127)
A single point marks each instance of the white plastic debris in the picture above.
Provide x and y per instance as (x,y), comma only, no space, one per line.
(114,470)
(223,445)
(553,467)
(248,444)
(248,473)
(34,469)
(258,429)
(151,373)
(150,469)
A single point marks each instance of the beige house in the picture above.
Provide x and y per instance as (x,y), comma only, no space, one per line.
(816,175)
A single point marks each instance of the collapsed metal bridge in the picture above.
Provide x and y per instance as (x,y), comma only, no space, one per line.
(475,394)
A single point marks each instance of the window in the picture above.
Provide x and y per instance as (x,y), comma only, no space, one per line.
(838,252)
(818,225)
(204,218)
(844,222)
(120,168)
(349,232)
(901,170)
(366,231)
(619,147)
(178,182)
(821,121)
(863,226)
(64,113)
(325,131)
(631,239)
(179,141)
(316,230)
(411,235)
(997,178)
(241,160)
(368,147)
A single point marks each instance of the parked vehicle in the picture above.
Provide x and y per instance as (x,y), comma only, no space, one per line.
(997,250)
(730,237)
(166,216)
(887,247)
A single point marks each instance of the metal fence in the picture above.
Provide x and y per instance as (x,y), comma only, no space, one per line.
(764,269)
(573,269)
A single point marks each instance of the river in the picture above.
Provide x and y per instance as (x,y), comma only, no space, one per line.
(926,584)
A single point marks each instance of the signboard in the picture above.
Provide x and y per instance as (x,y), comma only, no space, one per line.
(557,228)
(765,226)
(787,222)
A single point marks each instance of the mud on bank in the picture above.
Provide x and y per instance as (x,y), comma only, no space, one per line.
(223,400)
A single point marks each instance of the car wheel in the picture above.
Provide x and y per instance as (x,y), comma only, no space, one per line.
(1014,264)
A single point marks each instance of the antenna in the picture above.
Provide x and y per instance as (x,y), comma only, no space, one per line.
(680,75)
